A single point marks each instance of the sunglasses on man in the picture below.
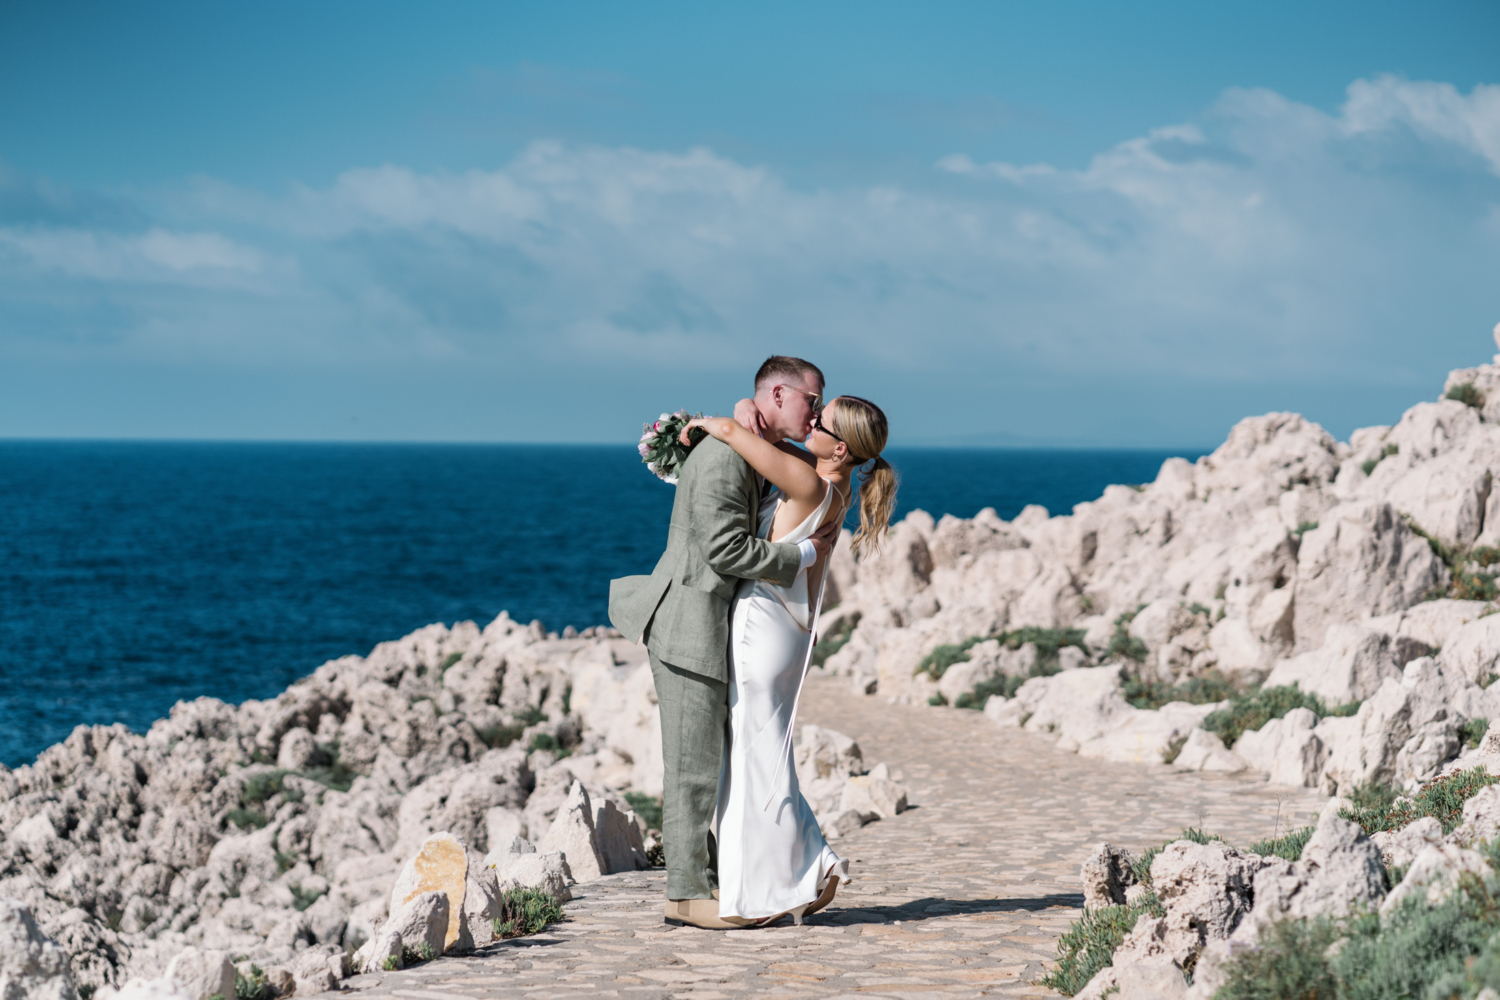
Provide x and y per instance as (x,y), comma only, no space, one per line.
(814,399)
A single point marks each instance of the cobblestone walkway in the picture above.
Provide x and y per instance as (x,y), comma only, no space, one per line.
(964,894)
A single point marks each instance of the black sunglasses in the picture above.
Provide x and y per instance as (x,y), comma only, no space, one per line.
(818,425)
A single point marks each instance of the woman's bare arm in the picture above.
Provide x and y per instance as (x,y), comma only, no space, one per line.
(797,477)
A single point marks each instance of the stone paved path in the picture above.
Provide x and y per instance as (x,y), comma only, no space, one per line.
(965,894)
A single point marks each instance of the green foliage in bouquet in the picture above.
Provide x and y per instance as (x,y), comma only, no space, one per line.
(660,447)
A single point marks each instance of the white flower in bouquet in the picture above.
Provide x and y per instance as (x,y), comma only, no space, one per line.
(660,448)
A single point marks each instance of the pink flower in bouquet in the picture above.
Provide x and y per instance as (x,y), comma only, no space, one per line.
(643,448)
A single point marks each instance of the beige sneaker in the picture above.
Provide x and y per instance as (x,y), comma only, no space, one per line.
(702,913)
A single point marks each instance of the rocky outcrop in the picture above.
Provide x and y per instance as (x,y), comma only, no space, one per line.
(1284,557)
(31,964)
(271,828)
(290,832)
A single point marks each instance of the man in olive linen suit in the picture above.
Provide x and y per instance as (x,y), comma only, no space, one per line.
(681,612)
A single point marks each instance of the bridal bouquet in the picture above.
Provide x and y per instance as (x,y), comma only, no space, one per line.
(659,447)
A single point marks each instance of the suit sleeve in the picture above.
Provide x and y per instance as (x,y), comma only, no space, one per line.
(721,491)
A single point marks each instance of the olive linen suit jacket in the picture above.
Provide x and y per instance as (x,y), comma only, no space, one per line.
(682,608)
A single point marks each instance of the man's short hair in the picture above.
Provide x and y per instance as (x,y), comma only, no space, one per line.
(779,368)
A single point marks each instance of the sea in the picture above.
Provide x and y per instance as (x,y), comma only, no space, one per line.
(135,574)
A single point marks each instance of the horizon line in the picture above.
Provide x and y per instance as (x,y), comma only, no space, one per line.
(928,444)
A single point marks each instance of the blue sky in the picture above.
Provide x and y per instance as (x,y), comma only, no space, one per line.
(1035,224)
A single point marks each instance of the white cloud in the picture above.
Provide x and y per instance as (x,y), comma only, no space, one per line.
(1267,240)
(1434,110)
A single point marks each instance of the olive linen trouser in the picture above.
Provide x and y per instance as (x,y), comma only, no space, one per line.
(694,734)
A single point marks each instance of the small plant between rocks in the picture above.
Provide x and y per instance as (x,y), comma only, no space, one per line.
(1255,708)
(835,640)
(1419,949)
(1089,945)
(1288,848)
(1377,808)
(255,986)
(423,952)
(647,807)
(1368,465)
(1124,645)
(1205,689)
(525,911)
(1466,393)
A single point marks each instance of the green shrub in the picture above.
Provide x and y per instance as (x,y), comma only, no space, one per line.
(391,963)
(1004,686)
(1255,708)
(1122,644)
(1089,945)
(303,898)
(647,807)
(246,818)
(1048,641)
(1468,586)
(1289,963)
(448,661)
(502,735)
(1485,555)
(1443,798)
(937,699)
(937,662)
(1472,732)
(525,911)
(1368,465)
(1288,847)
(1205,690)
(546,741)
(284,862)
(1466,393)
(1305,527)
(253,986)
(259,787)
(530,717)
(835,640)
(423,952)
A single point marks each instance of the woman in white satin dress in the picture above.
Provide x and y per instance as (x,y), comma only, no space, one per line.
(773,860)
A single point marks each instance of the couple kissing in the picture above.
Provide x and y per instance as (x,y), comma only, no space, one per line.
(728,617)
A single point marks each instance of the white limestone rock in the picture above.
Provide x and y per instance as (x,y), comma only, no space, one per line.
(1399,848)
(548,872)
(1206,892)
(1404,733)
(1205,751)
(1361,560)
(1076,706)
(1141,736)
(1481,819)
(203,973)
(1434,874)
(1288,749)
(1106,875)
(1339,871)
(422,921)
(1350,664)
(872,794)
(31,964)
(1473,650)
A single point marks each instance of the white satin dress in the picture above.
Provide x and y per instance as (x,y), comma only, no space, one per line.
(772,858)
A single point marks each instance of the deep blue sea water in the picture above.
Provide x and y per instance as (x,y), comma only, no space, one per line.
(134,574)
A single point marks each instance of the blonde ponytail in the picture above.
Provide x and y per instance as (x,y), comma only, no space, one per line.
(861,425)
(877,502)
